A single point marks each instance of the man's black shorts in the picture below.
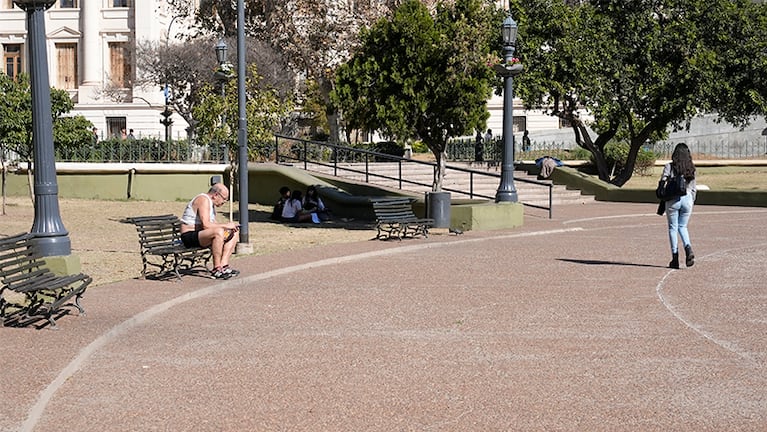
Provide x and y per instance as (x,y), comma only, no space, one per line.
(191,239)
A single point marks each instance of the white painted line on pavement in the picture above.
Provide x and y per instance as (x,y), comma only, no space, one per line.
(37,410)
(663,218)
(698,328)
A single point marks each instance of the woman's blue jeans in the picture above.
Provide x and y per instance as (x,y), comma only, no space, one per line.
(678,212)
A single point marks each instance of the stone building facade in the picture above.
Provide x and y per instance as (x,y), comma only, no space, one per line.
(91,47)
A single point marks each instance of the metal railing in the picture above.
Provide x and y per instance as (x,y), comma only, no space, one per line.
(141,150)
(308,153)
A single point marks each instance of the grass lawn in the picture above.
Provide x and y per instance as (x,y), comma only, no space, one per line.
(716,178)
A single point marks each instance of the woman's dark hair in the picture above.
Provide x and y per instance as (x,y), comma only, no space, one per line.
(681,161)
(296,194)
(311,191)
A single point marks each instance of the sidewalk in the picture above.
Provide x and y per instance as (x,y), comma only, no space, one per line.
(571,324)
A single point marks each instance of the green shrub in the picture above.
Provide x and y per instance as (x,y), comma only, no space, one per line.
(579,153)
(645,161)
(420,147)
(389,148)
(616,155)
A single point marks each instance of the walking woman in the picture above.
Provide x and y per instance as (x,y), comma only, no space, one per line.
(679,209)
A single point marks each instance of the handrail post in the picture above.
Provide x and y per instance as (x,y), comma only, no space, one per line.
(335,160)
(306,154)
(551,201)
(276,149)
(367,168)
(399,164)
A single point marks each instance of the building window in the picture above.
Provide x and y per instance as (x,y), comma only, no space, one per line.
(66,54)
(564,123)
(12,60)
(120,64)
(68,4)
(115,127)
(120,3)
(519,124)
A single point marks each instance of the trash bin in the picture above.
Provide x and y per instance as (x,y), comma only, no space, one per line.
(438,208)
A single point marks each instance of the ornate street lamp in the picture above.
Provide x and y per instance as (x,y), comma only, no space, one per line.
(166,120)
(508,69)
(50,236)
(221,49)
(222,75)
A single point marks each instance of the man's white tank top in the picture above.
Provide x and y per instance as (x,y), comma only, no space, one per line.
(190,216)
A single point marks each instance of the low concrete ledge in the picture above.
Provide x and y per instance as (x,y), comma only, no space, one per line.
(487,216)
(64,265)
(590,185)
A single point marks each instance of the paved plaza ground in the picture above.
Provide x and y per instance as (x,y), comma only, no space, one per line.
(568,324)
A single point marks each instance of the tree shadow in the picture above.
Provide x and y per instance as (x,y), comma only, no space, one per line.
(338,223)
(602,262)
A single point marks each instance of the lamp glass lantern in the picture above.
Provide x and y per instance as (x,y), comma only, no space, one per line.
(221,49)
(509,31)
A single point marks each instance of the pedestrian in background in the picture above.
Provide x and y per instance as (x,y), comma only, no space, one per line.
(478,148)
(679,209)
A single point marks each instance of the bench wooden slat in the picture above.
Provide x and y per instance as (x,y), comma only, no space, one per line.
(160,236)
(395,219)
(44,294)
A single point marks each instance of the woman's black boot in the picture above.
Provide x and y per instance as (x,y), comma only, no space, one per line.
(689,256)
(674,264)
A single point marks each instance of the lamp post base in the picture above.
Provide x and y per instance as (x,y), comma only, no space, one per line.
(506,196)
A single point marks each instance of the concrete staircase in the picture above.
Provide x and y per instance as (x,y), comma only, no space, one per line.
(532,194)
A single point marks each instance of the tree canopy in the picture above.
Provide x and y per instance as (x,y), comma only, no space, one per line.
(189,67)
(264,110)
(313,37)
(16,118)
(421,76)
(641,66)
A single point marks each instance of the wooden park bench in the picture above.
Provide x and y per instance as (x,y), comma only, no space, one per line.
(395,219)
(30,291)
(161,247)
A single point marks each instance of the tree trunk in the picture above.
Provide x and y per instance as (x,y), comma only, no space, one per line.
(30,182)
(596,148)
(439,170)
(325,87)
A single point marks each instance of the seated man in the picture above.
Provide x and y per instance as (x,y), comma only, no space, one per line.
(199,228)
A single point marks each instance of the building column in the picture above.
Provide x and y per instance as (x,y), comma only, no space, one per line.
(92,52)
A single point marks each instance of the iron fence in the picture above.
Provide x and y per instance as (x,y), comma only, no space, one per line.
(717,146)
(142,150)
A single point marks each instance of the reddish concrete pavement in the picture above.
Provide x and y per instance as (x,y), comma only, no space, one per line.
(569,324)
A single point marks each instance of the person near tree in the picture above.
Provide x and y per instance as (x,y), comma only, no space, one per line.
(679,209)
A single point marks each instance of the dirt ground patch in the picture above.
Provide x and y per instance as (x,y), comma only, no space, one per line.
(108,247)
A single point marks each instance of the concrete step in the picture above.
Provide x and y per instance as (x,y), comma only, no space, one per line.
(534,194)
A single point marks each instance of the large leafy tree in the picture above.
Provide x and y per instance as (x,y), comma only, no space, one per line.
(16,119)
(641,66)
(188,68)
(313,36)
(265,109)
(421,76)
